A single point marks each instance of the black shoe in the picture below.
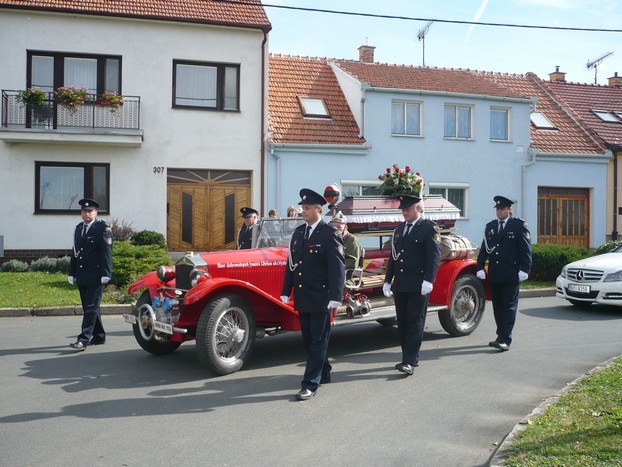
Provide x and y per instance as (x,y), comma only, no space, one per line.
(325,379)
(79,346)
(97,342)
(305,394)
(406,368)
(499,345)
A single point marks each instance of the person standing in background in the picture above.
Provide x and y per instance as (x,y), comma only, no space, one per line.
(90,268)
(507,248)
(245,235)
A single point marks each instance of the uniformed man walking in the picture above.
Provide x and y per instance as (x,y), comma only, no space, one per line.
(90,268)
(316,273)
(413,264)
(245,235)
(507,248)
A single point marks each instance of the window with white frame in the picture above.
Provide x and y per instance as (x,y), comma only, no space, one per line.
(406,118)
(499,124)
(59,186)
(214,86)
(360,188)
(458,121)
(455,193)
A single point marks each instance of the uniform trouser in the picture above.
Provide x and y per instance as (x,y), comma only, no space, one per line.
(504,305)
(411,310)
(91,296)
(315,329)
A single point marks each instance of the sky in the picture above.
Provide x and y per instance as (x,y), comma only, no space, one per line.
(447,45)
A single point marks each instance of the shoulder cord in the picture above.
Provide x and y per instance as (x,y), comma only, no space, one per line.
(394,253)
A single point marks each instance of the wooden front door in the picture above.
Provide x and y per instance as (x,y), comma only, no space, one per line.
(204,208)
(564,216)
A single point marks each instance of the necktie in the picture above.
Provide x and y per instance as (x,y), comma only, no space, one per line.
(408,228)
(307,232)
(84,229)
(501,226)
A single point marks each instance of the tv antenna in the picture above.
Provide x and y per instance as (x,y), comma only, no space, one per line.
(421,36)
(594,64)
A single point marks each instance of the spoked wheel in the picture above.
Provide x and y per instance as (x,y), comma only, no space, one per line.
(467,306)
(225,334)
(144,332)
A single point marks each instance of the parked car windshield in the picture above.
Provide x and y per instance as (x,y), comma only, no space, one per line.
(276,232)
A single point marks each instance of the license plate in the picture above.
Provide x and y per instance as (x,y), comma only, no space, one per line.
(129,318)
(579,288)
(163,327)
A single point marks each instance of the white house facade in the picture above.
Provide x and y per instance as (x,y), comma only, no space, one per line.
(182,154)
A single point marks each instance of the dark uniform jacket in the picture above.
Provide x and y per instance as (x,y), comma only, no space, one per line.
(92,254)
(507,252)
(415,257)
(315,269)
(245,237)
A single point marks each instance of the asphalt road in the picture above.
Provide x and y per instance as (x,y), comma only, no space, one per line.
(116,405)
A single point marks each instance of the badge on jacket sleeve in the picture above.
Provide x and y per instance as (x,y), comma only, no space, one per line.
(437,235)
(108,235)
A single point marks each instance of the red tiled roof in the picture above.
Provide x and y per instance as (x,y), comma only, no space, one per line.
(583,98)
(569,137)
(293,77)
(221,12)
(428,79)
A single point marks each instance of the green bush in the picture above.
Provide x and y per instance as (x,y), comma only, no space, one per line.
(129,261)
(607,247)
(548,260)
(148,237)
(14,265)
(47,264)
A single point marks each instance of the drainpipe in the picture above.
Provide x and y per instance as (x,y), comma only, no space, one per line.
(263,123)
(277,177)
(615,149)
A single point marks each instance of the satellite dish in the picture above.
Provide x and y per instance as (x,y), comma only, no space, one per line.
(594,64)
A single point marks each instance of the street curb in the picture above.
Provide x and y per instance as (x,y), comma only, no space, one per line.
(503,450)
(61,311)
(121,309)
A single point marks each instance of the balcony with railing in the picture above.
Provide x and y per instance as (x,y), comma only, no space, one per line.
(92,122)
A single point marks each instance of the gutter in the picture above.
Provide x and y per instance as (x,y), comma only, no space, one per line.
(615,149)
(420,92)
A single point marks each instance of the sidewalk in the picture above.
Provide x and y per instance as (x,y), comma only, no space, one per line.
(120,309)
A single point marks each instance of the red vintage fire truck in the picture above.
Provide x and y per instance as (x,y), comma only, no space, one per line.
(224,300)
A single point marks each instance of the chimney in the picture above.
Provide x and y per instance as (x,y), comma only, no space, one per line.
(557,75)
(615,80)
(366,54)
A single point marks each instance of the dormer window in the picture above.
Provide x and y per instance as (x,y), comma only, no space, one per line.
(313,107)
(605,116)
(541,122)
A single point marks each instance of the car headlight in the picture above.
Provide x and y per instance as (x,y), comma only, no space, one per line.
(197,276)
(165,273)
(614,277)
(563,273)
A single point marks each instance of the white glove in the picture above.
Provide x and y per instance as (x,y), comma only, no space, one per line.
(70,280)
(105,280)
(481,274)
(285,299)
(333,304)
(386,290)
(522,276)
(426,287)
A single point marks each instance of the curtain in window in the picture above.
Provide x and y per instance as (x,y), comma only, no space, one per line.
(397,118)
(412,119)
(450,121)
(61,187)
(81,72)
(43,73)
(196,86)
(464,122)
(231,88)
(499,124)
